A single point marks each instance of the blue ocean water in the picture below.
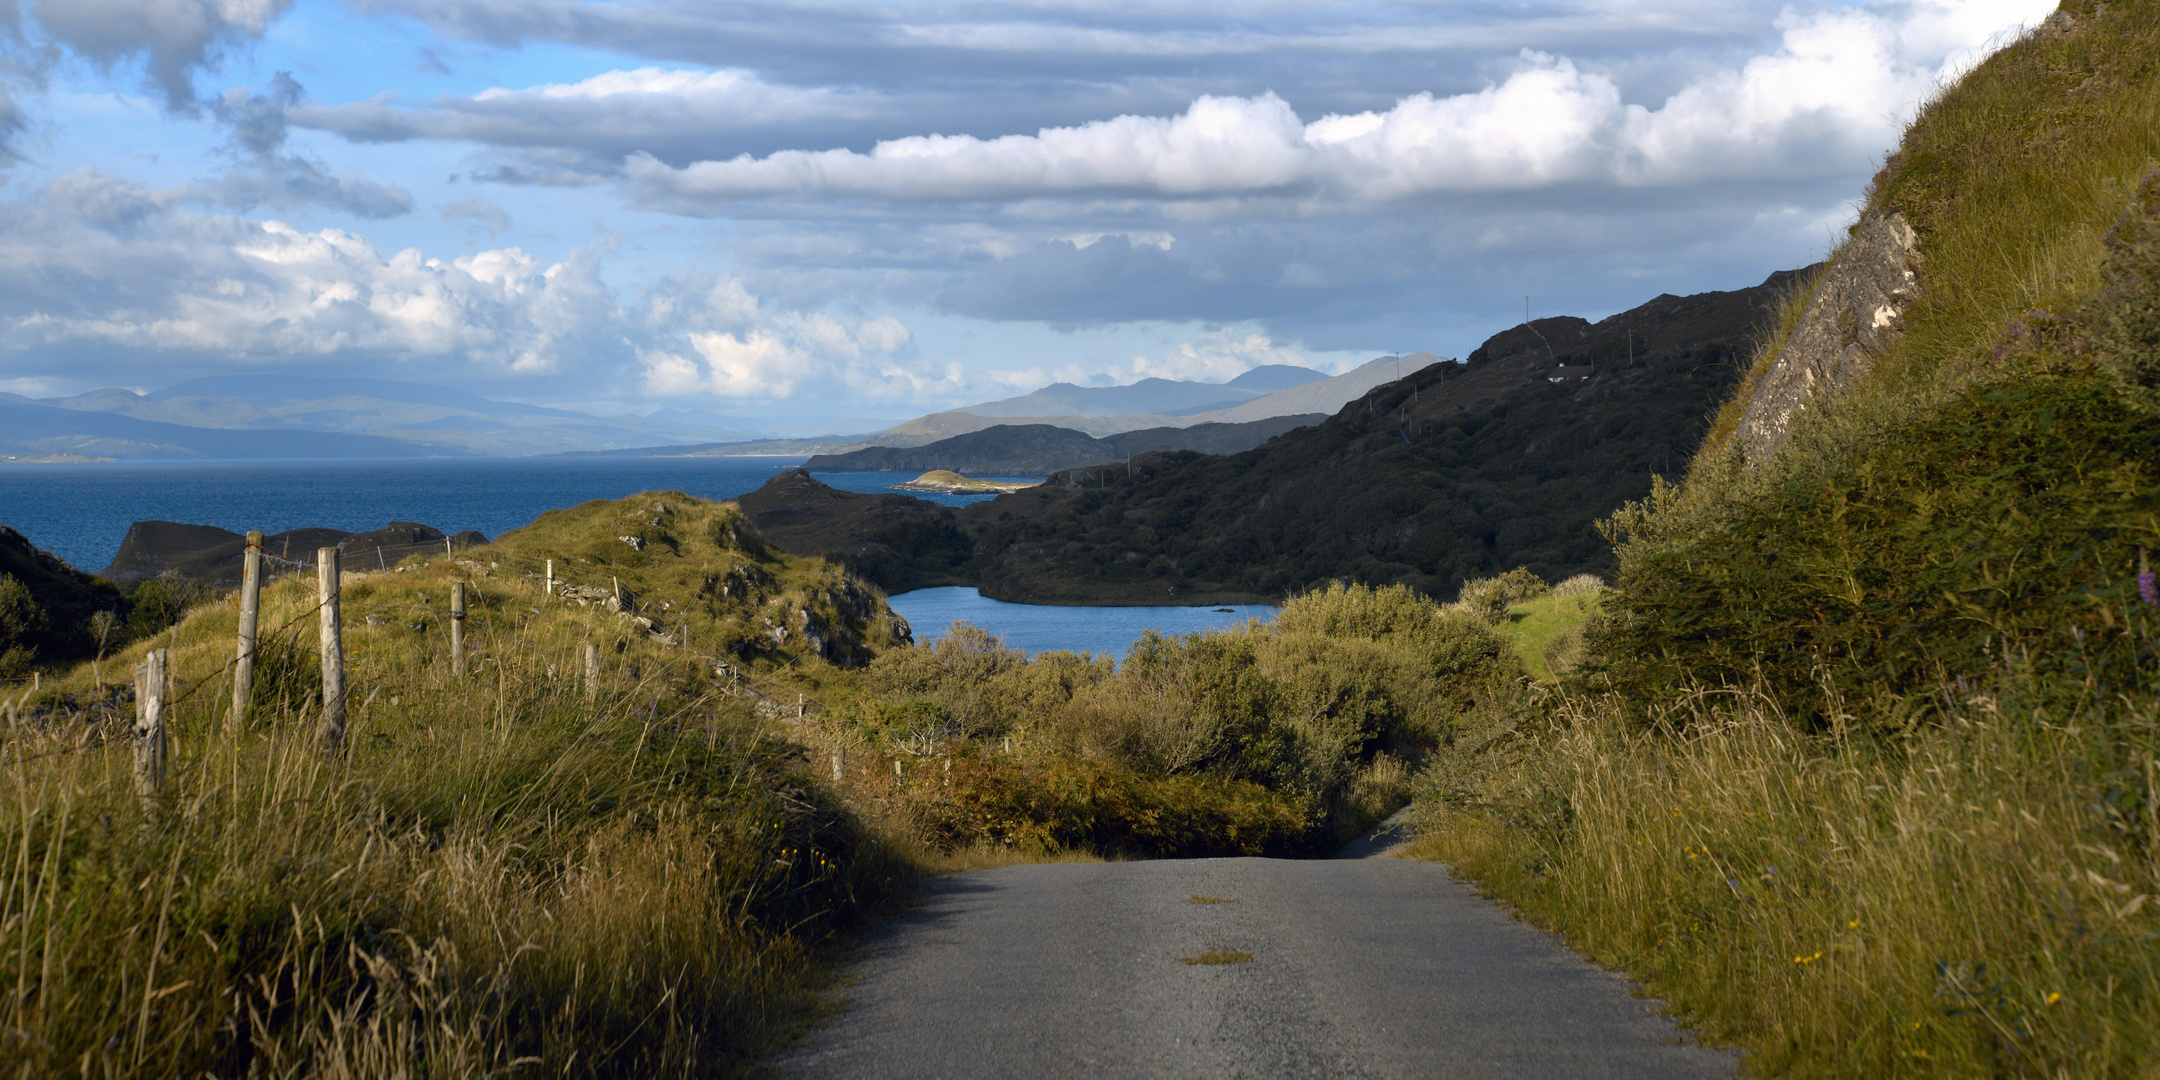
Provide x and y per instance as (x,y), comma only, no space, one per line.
(1037,628)
(81,512)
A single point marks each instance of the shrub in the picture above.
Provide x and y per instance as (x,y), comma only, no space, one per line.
(23,627)
(1042,806)
(161,601)
(1490,598)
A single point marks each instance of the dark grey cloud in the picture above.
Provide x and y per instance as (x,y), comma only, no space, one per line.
(172,38)
(1433,280)
(270,176)
(1333,57)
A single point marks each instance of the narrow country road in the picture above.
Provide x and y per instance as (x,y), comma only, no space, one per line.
(1360,967)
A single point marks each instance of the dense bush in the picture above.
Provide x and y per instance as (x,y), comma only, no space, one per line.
(162,601)
(23,627)
(2004,524)
(1320,712)
(1060,803)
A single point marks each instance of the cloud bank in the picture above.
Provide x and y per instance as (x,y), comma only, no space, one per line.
(1814,107)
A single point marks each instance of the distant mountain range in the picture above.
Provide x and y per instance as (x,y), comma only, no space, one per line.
(1148,397)
(1041,449)
(302,416)
(270,415)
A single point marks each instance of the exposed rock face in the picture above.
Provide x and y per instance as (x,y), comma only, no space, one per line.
(1856,315)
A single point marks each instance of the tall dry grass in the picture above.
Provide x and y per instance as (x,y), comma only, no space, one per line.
(496,875)
(1976,899)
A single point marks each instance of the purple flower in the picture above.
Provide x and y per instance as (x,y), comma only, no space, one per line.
(2148,588)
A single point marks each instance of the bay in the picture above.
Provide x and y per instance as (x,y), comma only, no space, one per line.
(81,512)
(1042,627)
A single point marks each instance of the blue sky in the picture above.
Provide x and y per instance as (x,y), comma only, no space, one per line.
(783,211)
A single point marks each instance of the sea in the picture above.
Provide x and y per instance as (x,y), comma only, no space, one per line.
(81,512)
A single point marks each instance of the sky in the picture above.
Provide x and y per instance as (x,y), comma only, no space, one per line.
(785,212)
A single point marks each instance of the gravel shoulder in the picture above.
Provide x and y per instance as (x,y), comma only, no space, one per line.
(1360,967)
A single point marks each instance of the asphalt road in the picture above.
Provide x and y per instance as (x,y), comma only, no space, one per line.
(1361,967)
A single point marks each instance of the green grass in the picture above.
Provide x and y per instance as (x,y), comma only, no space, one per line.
(497,872)
(1860,772)
(1534,627)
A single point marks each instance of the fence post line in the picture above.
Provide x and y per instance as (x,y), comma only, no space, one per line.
(150,724)
(333,649)
(548,586)
(448,552)
(250,610)
(592,669)
(457,630)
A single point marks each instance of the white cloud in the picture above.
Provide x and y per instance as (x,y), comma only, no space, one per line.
(715,338)
(1833,93)
(647,107)
(103,262)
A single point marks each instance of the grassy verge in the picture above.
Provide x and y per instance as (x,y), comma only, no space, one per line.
(1941,907)
(1861,771)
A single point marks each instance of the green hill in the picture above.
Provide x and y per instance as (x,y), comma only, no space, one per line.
(1457,471)
(1861,771)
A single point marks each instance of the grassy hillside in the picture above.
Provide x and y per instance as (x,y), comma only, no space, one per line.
(1860,769)
(509,871)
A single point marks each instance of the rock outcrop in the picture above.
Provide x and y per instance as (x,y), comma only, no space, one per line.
(1855,316)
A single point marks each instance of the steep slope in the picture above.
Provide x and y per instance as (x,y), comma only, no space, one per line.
(1956,395)
(45,614)
(1862,772)
(1457,470)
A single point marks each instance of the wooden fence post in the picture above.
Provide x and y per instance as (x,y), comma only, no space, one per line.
(839,764)
(457,630)
(150,724)
(592,669)
(333,649)
(548,586)
(250,610)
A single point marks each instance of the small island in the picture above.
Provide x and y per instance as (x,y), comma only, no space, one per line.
(949,482)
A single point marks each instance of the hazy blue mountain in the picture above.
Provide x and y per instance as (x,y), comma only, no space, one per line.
(1268,378)
(434,418)
(37,430)
(1148,397)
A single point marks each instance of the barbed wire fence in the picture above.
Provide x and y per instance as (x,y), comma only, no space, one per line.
(558,577)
